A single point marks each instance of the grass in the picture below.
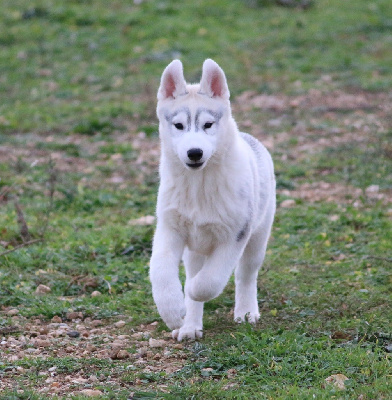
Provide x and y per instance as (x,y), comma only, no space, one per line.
(78,83)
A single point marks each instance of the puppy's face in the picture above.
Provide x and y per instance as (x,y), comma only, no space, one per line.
(193,131)
(191,116)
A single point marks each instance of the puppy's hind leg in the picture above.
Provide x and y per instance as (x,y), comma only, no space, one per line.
(246,305)
(193,322)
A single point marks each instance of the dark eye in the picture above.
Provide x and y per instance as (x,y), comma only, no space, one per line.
(208,125)
(179,126)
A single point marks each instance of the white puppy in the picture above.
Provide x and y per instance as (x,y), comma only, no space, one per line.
(216,202)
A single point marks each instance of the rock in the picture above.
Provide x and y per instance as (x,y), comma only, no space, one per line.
(156,343)
(118,344)
(372,189)
(142,335)
(147,220)
(73,334)
(337,380)
(56,320)
(31,350)
(119,324)
(91,392)
(142,351)
(96,293)
(79,380)
(122,354)
(12,312)
(41,343)
(118,354)
(287,203)
(74,315)
(96,322)
(42,289)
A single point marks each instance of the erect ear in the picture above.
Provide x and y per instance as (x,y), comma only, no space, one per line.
(213,81)
(172,82)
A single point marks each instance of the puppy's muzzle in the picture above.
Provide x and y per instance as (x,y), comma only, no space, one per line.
(195,155)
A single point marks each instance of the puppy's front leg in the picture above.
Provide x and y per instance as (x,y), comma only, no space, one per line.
(210,281)
(167,250)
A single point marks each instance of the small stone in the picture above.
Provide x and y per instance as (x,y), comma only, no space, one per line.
(42,289)
(31,350)
(231,373)
(123,337)
(142,351)
(146,220)
(117,354)
(337,380)
(73,334)
(91,392)
(79,380)
(12,312)
(122,354)
(56,319)
(372,189)
(156,343)
(96,322)
(119,324)
(41,343)
(96,293)
(74,315)
(287,203)
(43,331)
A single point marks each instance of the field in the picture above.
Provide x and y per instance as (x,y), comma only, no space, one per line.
(79,154)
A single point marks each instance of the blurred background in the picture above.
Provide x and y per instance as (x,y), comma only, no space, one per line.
(83,65)
(79,155)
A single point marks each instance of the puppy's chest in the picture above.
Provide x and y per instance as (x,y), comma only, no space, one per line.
(205,223)
(199,235)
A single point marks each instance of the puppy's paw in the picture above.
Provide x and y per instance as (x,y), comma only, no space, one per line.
(171,309)
(173,317)
(187,333)
(242,316)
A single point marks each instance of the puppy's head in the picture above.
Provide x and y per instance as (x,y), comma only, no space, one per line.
(192,118)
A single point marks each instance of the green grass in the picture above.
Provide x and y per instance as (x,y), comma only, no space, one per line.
(78,81)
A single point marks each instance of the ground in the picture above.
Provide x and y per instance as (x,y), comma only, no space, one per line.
(79,154)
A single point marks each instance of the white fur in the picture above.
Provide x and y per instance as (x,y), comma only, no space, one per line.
(216,217)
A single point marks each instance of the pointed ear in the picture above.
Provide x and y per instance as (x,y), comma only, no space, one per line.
(213,81)
(172,82)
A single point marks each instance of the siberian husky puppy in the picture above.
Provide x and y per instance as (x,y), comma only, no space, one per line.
(216,202)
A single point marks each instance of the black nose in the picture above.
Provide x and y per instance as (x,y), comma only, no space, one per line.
(195,154)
